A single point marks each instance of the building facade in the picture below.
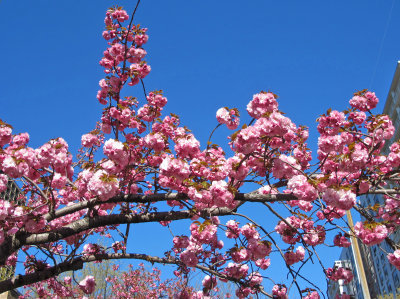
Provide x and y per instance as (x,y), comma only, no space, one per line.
(388,277)
(392,105)
(353,289)
(383,278)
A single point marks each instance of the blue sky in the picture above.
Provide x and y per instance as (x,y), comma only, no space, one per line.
(204,55)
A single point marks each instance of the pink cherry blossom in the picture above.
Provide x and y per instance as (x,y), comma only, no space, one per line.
(341,241)
(341,199)
(255,278)
(174,168)
(21,139)
(3,182)
(301,188)
(240,255)
(5,135)
(339,273)
(394,258)
(88,284)
(155,141)
(187,146)
(262,103)
(370,233)
(141,39)
(292,257)
(228,117)
(364,101)
(312,295)
(103,184)
(247,140)
(222,197)
(263,263)
(116,151)
(279,292)
(236,270)
(88,140)
(209,282)
(285,167)
(189,258)
(330,124)
(232,229)
(181,242)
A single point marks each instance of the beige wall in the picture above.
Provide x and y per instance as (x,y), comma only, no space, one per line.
(8,295)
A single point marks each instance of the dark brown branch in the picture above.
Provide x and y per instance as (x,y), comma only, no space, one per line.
(140,198)
(77,264)
(115,219)
(130,198)
(21,280)
(11,245)
(383,191)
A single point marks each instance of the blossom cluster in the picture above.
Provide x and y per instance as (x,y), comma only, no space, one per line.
(339,273)
(370,233)
(394,258)
(289,229)
(292,257)
(229,117)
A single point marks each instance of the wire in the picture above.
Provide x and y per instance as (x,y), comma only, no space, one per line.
(381,45)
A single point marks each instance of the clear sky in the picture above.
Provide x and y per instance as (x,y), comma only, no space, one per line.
(204,55)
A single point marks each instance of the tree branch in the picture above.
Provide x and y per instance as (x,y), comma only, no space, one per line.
(140,198)
(11,245)
(77,264)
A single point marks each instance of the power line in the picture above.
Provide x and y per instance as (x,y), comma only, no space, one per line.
(381,45)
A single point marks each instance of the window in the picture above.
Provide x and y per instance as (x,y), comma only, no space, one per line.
(385,272)
(396,278)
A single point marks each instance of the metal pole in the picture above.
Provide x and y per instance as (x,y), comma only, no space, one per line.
(358,259)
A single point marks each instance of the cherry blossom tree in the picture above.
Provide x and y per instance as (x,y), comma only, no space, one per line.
(153,169)
(106,280)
